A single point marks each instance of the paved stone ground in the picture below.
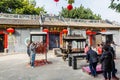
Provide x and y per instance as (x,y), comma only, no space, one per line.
(14,67)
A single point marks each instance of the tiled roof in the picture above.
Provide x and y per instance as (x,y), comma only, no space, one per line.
(79,24)
(56,22)
(18,22)
(102,25)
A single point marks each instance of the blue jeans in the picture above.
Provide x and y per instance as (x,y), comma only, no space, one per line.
(32,59)
(92,67)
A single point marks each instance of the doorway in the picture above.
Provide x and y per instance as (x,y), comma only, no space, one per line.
(109,37)
(54,41)
(1,42)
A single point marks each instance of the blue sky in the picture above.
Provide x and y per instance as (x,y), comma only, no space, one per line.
(97,6)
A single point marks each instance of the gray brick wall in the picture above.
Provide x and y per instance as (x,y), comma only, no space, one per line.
(19,43)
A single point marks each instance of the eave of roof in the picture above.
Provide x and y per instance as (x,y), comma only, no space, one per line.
(27,22)
(18,22)
(80,24)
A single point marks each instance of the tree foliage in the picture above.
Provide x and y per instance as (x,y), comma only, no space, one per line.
(19,7)
(79,13)
(115,5)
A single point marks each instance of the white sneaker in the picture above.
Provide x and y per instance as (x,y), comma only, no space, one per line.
(32,66)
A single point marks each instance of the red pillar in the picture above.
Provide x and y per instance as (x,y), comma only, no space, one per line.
(90,40)
(60,39)
(5,40)
(47,38)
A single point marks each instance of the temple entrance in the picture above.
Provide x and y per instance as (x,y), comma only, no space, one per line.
(54,40)
(109,37)
(1,42)
(102,37)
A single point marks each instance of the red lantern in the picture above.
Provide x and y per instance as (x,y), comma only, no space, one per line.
(56,0)
(65,31)
(10,30)
(70,7)
(45,30)
(88,32)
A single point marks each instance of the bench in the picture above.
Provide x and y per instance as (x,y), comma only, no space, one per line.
(72,59)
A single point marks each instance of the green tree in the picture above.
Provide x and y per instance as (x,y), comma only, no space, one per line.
(79,13)
(20,7)
(115,5)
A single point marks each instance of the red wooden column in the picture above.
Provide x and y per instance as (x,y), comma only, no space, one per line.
(61,39)
(47,37)
(90,40)
(5,41)
(65,31)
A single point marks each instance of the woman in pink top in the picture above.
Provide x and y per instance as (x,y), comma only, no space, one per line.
(99,49)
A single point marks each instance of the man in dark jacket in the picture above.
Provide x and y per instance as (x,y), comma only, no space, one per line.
(92,58)
(113,53)
(107,62)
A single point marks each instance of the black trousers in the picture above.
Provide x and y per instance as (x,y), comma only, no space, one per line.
(107,74)
(114,70)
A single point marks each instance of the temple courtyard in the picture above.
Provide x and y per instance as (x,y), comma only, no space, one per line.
(14,66)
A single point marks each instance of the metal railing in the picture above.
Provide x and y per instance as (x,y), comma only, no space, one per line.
(58,18)
(84,20)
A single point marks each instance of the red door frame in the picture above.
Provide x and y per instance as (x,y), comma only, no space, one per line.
(90,34)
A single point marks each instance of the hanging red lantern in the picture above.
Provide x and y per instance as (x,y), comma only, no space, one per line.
(10,30)
(45,30)
(65,31)
(56,0)
(88,31)
(70,7)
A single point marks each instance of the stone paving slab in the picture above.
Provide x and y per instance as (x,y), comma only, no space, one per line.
(14,67)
